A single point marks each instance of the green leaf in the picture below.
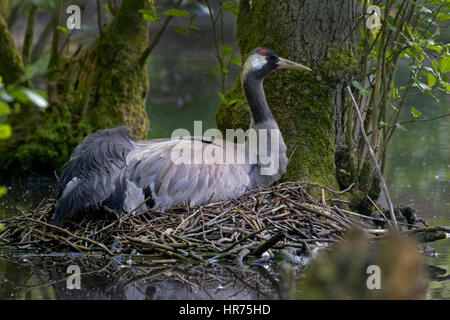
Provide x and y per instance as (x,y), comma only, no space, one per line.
(231,6)
(446,86)
(149,15)
(4,109)
(227,50)
(236,61)
(398,125)
(409,31)
(443,16)
(416,113)
(180,30)
(438,49)
(435,64)
(431,80)
(444,64)
(362,91)
(107,9)
(176,13)
(63,29)
(384,124)
(2,226)
(3,191)
(1,79)
(5,131)
(193,17)
(221,96)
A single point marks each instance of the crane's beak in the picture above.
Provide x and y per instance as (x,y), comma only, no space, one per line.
(287,64)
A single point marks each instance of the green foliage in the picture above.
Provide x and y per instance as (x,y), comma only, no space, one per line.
(361,89)
(176,13)
(409,33)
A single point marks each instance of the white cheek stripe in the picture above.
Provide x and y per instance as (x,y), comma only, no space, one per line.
(254,62)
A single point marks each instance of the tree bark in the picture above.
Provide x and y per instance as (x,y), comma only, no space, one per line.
(11,63)
(310,108)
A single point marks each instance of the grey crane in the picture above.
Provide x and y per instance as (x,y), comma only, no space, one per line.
(109,168)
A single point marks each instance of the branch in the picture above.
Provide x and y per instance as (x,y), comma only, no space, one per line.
(28,41)
(99,17)
(42,41)
(374,158)
(158,36)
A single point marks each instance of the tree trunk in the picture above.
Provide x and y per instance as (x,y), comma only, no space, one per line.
(11,63)
(310,108)
(101,87)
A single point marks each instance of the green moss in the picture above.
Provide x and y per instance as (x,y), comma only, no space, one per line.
(11,64)
(340,61)
(234,112)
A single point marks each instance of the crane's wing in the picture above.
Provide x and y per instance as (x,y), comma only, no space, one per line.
(193,171)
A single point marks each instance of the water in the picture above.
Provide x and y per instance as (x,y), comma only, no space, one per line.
(181,91)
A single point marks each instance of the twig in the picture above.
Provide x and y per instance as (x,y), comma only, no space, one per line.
(374,158)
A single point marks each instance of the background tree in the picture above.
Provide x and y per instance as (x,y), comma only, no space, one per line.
(103,85)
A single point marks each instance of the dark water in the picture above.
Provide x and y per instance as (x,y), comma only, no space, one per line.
(181,91)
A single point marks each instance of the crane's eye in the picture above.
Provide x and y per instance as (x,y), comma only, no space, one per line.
(267,58)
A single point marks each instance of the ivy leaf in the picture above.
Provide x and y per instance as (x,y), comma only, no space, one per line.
(5,131)
(176,13)
(362,91)
(416,113)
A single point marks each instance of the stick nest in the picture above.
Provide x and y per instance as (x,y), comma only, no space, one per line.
(282,216)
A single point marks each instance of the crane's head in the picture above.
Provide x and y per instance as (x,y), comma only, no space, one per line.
(262,62)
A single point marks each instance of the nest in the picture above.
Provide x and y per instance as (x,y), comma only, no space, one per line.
(278,217)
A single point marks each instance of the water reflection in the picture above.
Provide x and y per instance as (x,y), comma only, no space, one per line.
(37,277)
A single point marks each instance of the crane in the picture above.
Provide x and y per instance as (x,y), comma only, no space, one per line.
(109,168)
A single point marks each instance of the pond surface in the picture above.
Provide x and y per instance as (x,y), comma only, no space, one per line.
(181,91)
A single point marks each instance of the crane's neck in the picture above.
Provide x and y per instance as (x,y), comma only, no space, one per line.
(271,149)
(254,92)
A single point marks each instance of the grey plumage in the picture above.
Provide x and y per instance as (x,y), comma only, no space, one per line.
(110,169)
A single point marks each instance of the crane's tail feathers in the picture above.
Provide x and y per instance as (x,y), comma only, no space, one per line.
(91,176)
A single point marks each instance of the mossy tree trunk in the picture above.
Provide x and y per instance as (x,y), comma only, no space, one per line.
(102,86)
(310,108)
